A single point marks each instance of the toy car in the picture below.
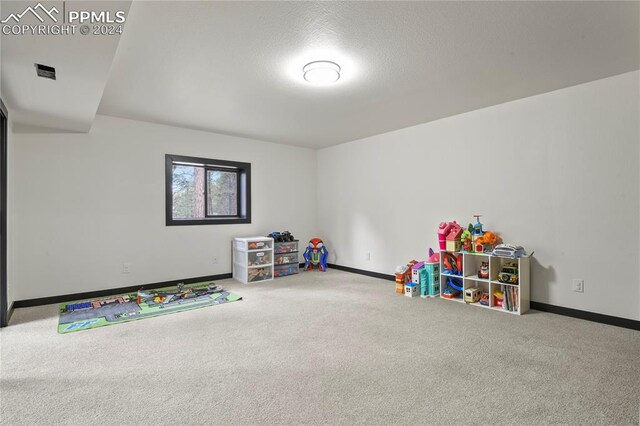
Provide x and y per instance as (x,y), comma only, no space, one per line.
(287,237)
(484,270)
(281,237)
(472,295)
(484,299)
(509,274)
(277,236)
(449,293)
(168,296)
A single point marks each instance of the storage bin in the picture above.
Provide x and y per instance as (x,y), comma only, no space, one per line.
(284,270)
(285,258)
(260,274)
(248,244)
(289,247)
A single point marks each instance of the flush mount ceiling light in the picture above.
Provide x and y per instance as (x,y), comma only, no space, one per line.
(321,72)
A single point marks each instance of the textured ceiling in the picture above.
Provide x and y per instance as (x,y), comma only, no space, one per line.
(236,67)
(82,66)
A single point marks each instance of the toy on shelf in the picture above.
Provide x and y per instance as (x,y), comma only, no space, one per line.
(453,237)
(443,230)
(477,231)
(465,239)
(498,298)
(509,250)
(472,295)
(485,243)
(431,287)
(509,273)
(483,272)
(316,254)
(454,287)
(484,299)
(452,263)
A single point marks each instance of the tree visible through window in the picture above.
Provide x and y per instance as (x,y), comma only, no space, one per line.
(201,191)
(222,191)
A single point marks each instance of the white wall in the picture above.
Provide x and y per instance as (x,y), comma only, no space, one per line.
(556,173)
(83,204)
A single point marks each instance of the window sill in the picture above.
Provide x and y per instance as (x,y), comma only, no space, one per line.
(208,221)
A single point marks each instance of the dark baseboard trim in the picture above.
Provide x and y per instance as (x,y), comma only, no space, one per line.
(538,306)
(110,292)
(362,272)
(560,310)
(10,312)
(585,315)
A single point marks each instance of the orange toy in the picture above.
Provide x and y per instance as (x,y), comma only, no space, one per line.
(486,239)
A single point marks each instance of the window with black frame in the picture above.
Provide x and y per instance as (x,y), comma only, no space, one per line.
(202,191)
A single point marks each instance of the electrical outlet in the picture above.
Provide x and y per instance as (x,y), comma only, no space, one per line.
(367,256)
(126,268)
(578,285)
(214,259)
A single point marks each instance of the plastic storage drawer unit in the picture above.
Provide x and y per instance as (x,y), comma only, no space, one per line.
(284,270)
(252,259)
(285,258)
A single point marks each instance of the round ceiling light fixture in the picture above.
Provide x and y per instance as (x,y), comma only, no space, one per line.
(321,72)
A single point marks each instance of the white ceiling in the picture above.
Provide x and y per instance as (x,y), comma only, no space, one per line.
(82,66)
(236,67)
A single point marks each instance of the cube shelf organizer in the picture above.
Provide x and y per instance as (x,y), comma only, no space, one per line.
(253,259)
(471,263)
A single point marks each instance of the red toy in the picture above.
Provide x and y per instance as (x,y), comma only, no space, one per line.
(443,230)
(484,270)
(316,254)
(452,263)
(453,242)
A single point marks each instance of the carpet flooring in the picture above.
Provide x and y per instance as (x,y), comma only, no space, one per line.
(321,348)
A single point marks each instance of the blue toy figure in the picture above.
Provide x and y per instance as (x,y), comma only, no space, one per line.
(316,255)
(477,227)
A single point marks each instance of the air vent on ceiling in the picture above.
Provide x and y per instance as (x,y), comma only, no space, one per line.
(46,71)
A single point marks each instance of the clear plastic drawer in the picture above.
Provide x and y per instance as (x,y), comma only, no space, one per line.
(284,270)
(285,258)
(288,247)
